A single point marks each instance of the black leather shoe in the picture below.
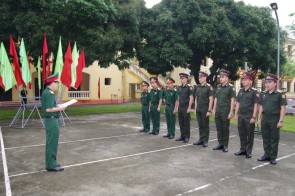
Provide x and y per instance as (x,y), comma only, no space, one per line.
(218,147)
(166,135)
(225,149)
(155,133)
(151,132)
(205,144)
(200,142)
(141,130)
(56,169)
(171,137)
(240,153)
(185,140)
(263,158)
(273,162)
(179,139)
(248,156)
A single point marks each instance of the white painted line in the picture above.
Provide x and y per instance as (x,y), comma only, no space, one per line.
(66,142)
(235,175)
(114,158)
(6,177)
(195,189)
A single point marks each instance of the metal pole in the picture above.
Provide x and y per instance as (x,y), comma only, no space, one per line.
(278,68)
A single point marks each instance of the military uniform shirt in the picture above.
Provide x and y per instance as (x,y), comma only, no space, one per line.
(184,93)
(247,99)
(145,98)
(224,94)
(271,103)
(171,95)
(48,101)
(156,94)
(202,95)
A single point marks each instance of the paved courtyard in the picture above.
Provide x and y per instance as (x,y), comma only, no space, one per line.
(106,155)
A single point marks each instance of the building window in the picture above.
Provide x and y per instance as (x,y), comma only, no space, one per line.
(107,81)
(137,87)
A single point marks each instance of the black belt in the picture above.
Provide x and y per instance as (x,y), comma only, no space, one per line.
(51,116)
(145,104)
(155,103)
(169,104)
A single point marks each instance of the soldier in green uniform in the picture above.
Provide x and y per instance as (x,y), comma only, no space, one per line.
(50,113)
(185,100)
(171,101)
(156,95)
(145,101)
(223,109)
(271,115)
(203,108)
(245,114)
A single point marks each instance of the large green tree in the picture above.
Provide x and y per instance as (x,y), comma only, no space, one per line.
(183,33)
(105,28)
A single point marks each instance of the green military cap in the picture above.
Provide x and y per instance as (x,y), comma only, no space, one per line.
(145,83)
(52,78)
(271,77)
(154,77)
(224,72)
(203,74)
(170,80)
(184,74)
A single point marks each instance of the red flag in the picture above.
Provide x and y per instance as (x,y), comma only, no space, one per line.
(48,68)
(98,88)
(45,50)
(80,66)
(1,83)
(17,71)
(66,74)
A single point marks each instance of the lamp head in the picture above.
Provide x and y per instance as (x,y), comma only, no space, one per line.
(274,6)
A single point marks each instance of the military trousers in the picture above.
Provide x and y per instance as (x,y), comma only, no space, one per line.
(170,119)
(184,122)
(145,117)
(270,135)
(155,116)
(203,122)
(52,136)
(222,126)
(246,133)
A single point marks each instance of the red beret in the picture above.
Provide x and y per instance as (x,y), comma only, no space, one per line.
(247,76)
(52,78)
(271,77)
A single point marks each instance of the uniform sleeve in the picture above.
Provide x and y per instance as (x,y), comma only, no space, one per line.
(283,99)
(164,94)
(211,93)
(260,98)
(176,94)
(238,97)
(256,97)
(191,91)
(49,103)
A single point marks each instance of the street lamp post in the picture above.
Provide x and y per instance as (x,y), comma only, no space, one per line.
(274,6)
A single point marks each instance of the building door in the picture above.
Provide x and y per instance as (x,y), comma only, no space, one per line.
(132,92)
(5,96)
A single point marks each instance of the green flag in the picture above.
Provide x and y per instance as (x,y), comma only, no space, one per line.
(75,56)
(6,70)
(59,60)
(39,72)
(26,74)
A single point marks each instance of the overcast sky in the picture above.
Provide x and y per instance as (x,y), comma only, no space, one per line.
(286,7)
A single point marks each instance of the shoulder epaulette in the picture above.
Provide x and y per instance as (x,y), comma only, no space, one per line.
(254,88)
(189,85)
(208,84)
(230,84)
(175,89)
